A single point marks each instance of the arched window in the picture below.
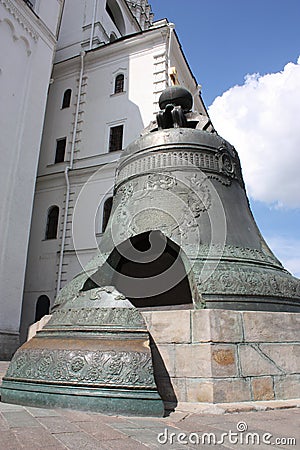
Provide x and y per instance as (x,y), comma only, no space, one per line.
(106,212)
(116,16)
(52,223)
(112,37)
(119,83)
(66,99)
(42,307)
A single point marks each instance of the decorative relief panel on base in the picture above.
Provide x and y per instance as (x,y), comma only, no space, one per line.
(112,368)
(125,317)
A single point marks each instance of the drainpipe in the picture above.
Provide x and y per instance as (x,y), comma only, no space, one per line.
(93,24)
(197,92)
(67,169)
(171,27)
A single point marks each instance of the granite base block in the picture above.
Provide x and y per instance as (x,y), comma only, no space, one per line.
(222,356)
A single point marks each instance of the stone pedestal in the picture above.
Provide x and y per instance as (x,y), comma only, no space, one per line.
(221,356)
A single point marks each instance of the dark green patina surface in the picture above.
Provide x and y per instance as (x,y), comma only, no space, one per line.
(88,357)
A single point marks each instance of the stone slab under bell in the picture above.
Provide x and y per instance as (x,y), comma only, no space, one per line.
(92,355)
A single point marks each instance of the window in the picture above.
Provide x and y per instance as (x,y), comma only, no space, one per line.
(116,138)
(106,212)
(66,99)
(60,150)
(42,307)
(119,83)
(115,13)
(52,223)
(112,37)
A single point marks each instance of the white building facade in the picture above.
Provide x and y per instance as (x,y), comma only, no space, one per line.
(28,36)
(111,65)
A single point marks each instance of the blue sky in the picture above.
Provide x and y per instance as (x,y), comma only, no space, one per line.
(224,42)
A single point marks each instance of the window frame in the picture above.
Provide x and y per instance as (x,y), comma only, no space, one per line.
(68,103)
(112,37)
(115,14)
(110,137)
(58,160)
(51,230)
(119,75)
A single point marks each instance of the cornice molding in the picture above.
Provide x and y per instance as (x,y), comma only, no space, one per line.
(20,18)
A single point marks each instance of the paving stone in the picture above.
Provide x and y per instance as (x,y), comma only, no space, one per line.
(103,431)
(36,438)
(76,416)
(3,423)
(108,419)
(16,419)
(58,425)
(197,423)
(289,428)
(144,435)
(190,439)
(78,440)
(176,416)
(10,407)
(261,422)
(124,444)
(42,412)
(8,441)
(124,426)
(141,422)
(112,432)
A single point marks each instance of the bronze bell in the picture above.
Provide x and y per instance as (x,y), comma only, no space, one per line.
(181,233)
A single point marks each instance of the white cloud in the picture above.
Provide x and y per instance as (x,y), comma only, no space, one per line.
(261,119)
(287,251)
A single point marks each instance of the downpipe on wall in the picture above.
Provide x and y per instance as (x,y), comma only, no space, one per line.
(67,169)
(93,25)
(171,27)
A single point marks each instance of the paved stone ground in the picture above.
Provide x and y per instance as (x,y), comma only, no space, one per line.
(34,428)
